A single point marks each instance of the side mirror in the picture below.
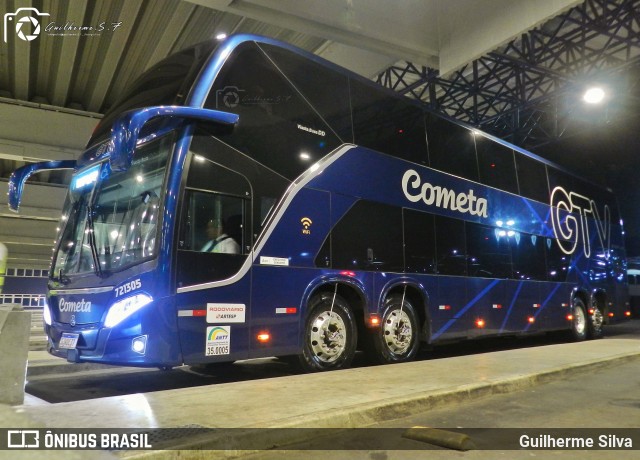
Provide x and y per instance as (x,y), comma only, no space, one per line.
(20,176)
(126,129)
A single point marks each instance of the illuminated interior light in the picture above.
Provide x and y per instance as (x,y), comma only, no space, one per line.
(480,323)
(305,156)
(199,158)
(221,36)
(263,337)
(593,95)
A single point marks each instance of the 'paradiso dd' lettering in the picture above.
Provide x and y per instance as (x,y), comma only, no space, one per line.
(415,190)
(569,214)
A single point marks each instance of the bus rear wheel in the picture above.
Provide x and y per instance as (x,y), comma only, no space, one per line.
(579,322)
(397,338)
(330,335)
(594,330)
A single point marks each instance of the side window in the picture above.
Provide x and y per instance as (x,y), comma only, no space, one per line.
(451,148)
(496,165)
(368,237)
(387,123)
(532,178)
(558,262)
(450,246)
(527,253)
(489,255)
(214,237)
(326,89)
(419,242)
(277,126)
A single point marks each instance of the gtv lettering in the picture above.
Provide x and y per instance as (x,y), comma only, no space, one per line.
(434,195)
(569,229)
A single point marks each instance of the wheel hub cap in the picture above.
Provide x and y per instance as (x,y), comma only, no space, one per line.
(328,336)
(397,331)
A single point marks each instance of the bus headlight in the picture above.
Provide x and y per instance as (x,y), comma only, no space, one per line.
(126,307)
(46,314)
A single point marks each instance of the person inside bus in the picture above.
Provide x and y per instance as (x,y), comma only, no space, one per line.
(218,240)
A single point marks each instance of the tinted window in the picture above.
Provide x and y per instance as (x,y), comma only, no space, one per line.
(528,256)
(489,255)
(166,83)
(496,165)
(419,242)
(451,148)
(325,89)
(214,236)
(532,178)
(387,123)
(368,237)
(557,261)
(277,127)
(450,246)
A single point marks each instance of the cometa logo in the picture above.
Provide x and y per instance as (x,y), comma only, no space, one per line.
(81,306)
(415,189)
(27,26)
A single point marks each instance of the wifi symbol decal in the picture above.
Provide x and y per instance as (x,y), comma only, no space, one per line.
(306,223)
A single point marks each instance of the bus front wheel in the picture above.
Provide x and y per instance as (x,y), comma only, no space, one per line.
(330,335)
(397,338)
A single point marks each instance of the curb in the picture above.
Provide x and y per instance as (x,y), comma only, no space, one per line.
(358,416)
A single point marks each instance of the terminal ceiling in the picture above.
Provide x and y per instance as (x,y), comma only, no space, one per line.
(507,66)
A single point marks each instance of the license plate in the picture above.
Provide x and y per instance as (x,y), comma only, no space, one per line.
(68,340)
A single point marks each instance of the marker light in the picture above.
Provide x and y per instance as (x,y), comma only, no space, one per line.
(611,314)
(125,308)
(374,320)
(480,323)
(531,319)
(569,317)
(263,337)
(627,313)
(46,314)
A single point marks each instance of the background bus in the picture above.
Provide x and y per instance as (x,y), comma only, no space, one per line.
(359,219)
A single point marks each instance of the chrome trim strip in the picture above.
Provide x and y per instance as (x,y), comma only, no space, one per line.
(306,177)
(97,290)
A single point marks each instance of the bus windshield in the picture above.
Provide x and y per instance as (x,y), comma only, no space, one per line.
(113,221)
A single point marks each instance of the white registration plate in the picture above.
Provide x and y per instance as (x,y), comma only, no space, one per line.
(68,340)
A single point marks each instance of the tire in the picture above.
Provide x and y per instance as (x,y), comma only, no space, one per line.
(595,323)
(398,338)
(580,321)
(330,335)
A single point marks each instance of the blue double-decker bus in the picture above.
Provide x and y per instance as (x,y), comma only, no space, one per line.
(246,199)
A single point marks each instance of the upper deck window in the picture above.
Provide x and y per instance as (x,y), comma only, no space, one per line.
(277,127)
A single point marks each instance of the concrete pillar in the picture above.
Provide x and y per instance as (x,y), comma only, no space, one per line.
(15,325)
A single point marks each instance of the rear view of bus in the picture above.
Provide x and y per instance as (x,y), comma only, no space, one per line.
(246,199)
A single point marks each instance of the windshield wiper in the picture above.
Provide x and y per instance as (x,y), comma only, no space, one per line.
(92,243)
